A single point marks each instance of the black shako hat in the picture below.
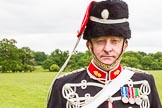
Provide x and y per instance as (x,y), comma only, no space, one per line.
(107,18)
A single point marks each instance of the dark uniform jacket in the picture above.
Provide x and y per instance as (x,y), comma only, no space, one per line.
(96,75)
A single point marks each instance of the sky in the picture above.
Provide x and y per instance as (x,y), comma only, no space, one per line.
(46,25)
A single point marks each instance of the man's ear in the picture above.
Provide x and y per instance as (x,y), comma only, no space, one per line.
(88,44)
(125,45)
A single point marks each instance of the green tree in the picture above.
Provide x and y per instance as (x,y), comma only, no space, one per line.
(39,57)
(12,66)
(58,57)
(131,59)
(157,60)
(147,62)
(8,50)
(27,56)
(9,56)
(79,60)
(47,63)
(54,68)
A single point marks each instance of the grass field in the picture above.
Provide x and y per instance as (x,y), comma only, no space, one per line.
(24,90)
(29,90)
(158,79)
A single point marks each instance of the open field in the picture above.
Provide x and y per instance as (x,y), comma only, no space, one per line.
(24,90)
(29,90)
(158,79)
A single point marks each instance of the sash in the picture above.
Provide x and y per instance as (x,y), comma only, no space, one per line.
(109,89)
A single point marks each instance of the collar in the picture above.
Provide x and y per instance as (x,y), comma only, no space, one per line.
(102,76)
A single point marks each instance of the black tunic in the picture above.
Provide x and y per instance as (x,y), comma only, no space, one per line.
(57,100)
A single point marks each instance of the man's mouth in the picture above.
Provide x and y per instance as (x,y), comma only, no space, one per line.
(107,56)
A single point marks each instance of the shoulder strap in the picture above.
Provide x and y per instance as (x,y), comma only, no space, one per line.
(109,89)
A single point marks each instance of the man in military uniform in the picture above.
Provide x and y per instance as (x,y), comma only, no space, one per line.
(105,83)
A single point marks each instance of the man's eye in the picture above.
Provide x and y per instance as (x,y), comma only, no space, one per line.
(115,41)
(100,41)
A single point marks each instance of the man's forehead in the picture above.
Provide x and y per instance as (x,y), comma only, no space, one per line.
(108,36)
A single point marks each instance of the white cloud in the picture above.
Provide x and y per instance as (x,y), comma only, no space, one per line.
(45,25)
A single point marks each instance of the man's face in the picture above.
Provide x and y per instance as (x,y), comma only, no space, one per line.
(107,48)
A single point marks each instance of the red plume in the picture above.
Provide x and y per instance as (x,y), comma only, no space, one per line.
(85,20)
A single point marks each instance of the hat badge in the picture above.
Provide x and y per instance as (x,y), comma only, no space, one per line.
(105,13)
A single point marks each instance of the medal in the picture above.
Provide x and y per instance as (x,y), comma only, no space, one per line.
(131,95)
(131,100)
(138,101)
(124,99)
(124,94)
(137,97)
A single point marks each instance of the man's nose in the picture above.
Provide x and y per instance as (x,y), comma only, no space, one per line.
(108,46)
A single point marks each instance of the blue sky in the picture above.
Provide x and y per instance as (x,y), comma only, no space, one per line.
(44,25)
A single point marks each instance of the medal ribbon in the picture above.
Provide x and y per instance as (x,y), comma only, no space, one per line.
(131,92)
(124,94)
(136,92)
(133,96)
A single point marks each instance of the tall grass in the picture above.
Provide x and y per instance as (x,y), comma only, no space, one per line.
(29,90)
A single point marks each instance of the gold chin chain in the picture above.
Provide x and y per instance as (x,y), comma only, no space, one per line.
(106,66)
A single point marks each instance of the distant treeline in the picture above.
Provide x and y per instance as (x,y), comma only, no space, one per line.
(14,59)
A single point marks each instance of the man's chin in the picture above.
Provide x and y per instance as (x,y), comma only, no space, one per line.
(108,63)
